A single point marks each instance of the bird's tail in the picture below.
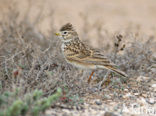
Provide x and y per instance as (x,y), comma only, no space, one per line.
(114,69)
(119,72)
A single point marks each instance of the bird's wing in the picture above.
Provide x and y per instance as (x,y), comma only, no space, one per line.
(78,50)
(80,54)
(86,54)
(99,58)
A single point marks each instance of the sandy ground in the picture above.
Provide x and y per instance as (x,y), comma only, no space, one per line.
(114,15)
(138,98)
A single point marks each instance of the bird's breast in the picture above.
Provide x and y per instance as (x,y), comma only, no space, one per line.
(63,47)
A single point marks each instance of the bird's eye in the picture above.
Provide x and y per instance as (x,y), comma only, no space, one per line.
(65,32)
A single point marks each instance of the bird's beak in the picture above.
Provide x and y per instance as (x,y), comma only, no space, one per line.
(57,34)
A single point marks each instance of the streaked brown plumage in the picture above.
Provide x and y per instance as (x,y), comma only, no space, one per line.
(80,55)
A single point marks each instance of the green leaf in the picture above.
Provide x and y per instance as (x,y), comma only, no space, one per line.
(15,108)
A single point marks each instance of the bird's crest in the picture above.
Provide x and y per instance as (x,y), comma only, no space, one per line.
(67,27)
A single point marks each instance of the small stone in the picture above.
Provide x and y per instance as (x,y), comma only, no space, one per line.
(154,57)
(150,101)
(79,108)
(144,95)
(141,101)
(126,90)
(142,78)
(136,94)
(127,95)
(98,102)
(109,114)
(154,86)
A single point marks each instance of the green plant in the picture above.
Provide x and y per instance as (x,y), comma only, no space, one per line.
(31,104)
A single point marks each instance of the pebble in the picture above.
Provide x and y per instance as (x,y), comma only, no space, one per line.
(109,114)
(98,102)
(126,90)
(150,101)
(144,95)
(154,56)
(142,78)
(127,95)
(154,86)
(136,94)
(141,101)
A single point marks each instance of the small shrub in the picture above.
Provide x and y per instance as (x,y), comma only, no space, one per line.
(31,104)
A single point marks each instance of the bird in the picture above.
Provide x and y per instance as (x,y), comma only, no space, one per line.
(81,55)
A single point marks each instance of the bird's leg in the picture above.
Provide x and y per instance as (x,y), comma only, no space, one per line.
(90,76)
(104,79)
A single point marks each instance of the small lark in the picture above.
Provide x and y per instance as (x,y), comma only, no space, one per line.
(80,55)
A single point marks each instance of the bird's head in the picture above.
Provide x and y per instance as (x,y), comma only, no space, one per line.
(67,33)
